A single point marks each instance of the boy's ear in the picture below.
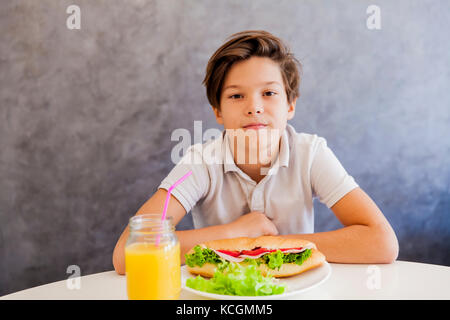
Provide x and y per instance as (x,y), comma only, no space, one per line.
(218,115)
(291,109)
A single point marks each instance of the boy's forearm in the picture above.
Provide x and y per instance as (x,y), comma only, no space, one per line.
(355,244)
(119,253)
(187,238)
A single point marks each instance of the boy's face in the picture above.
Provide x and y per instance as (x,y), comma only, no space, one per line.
(254,92)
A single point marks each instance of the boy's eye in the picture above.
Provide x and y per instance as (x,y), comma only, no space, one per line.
(239,96)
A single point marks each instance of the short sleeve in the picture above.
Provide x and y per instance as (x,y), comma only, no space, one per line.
(196,186)
(329,180)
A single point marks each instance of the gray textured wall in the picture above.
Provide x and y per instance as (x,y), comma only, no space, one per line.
(86,115)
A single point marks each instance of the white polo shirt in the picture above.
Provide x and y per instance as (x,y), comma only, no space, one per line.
(219,192)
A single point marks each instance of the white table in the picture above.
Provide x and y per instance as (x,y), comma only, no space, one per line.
(400,280)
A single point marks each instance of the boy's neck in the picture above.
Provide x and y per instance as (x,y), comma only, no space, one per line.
(253,170)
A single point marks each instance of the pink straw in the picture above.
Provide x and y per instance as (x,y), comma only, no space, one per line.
(166,204)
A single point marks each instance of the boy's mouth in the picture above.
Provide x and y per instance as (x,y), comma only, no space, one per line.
(255,126)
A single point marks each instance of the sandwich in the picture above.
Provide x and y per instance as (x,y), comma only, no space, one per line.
(277,256)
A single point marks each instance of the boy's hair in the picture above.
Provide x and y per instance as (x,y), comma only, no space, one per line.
(242,46)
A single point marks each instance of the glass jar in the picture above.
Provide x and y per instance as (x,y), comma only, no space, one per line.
(152,259)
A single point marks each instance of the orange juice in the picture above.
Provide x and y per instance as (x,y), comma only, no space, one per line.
(153,271)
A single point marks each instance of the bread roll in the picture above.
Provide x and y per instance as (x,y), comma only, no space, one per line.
(268,242)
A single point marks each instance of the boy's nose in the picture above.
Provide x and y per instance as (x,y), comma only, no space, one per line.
(255,107)
(255,110)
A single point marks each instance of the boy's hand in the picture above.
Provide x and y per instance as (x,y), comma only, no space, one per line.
(253,224)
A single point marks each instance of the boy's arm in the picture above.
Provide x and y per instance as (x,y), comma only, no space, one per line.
(252,224)
(367,237)
(153,205)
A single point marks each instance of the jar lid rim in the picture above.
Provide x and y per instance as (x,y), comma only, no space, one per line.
(150,219)
(150,216)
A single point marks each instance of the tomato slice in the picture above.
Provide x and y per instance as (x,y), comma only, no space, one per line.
(255,252)
(291,249)
(231,253)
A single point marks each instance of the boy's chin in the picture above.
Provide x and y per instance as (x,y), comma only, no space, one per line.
(256,128)
(254,131)
(255,138)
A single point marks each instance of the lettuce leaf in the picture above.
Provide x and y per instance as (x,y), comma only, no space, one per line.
(202,256)
(275,260)
(237,280)
(297,258)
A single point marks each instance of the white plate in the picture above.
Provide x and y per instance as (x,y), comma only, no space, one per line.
(294,285)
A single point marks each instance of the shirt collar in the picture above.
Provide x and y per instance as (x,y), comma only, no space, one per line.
(281,161)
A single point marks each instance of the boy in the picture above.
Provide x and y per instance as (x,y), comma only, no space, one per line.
(252,85)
